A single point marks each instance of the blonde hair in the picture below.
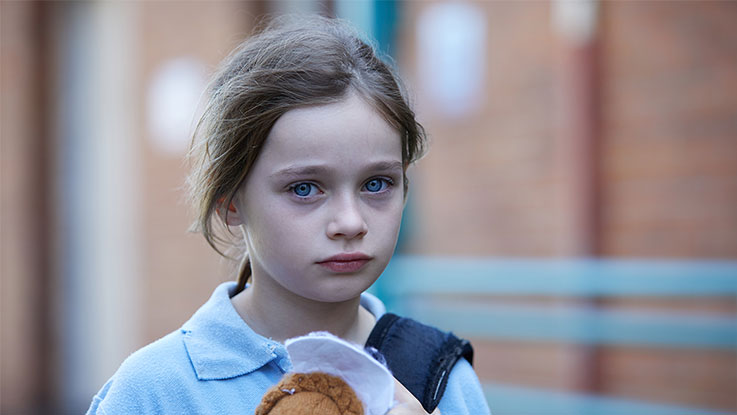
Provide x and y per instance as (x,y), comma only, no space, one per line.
(293,62)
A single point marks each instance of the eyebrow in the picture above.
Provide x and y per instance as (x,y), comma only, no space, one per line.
(298,171)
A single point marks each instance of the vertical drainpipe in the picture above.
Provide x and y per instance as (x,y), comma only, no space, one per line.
(578,136)
(386,16)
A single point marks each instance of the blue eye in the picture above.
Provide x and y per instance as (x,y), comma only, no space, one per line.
(376,185)
(303,189)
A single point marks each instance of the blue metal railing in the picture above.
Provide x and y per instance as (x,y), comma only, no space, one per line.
(452,293)
(561,277)
(515,400)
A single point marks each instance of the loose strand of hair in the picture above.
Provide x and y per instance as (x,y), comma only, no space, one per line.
(244,273)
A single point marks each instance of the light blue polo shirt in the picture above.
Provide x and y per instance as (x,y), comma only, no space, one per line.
(215,364)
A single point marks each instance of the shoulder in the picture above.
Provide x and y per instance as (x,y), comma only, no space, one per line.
(158,364)
(463,394)
(421,357)
(140,382)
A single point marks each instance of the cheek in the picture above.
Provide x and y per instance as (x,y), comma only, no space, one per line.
(262,230)
(275,231)
(387,221)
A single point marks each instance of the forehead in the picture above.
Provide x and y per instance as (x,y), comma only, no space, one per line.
(347,131)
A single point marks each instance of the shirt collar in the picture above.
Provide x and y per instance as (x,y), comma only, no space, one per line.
(373,305)
(221,345)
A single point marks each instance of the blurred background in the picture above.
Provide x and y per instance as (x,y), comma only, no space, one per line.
(576,216)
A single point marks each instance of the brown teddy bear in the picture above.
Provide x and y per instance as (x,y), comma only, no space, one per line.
(310,393)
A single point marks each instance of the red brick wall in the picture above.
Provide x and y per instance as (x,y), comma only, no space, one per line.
(669,159)
(669,174)
(668,156)
(22,382)
(486,187)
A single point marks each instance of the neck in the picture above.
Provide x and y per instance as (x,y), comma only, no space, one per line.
(276,313)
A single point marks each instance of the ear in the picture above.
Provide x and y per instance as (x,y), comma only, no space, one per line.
(231,216)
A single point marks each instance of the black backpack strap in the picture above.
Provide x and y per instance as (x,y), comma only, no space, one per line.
(419,356)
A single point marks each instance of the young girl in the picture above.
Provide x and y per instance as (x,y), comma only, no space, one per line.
(305,144)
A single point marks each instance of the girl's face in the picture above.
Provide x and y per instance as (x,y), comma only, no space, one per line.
(322,205)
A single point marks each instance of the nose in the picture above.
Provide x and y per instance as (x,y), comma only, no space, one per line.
(347,221)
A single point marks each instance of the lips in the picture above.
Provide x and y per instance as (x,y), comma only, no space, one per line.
(345,263)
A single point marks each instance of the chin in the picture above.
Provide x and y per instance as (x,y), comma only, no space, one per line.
(341,289)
